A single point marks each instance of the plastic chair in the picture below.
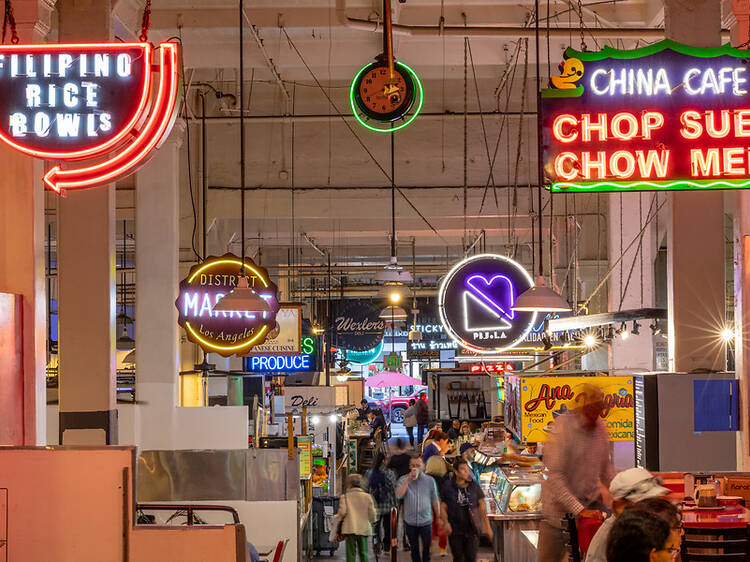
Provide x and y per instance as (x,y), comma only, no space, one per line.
(726,543)
(278,552)
(570,533)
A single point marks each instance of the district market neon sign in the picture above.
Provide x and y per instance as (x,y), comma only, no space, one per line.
(96,110)
(225,332)
(662,117)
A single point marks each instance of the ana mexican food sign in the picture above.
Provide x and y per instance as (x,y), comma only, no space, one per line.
(533,403)
(662,117)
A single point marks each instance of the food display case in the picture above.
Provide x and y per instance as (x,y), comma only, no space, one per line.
(514,505)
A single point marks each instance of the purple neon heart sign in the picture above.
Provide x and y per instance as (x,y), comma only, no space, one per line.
(476,303)
(496,291)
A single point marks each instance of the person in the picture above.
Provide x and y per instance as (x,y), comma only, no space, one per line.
(462,509)
(627,488)
(437,468)
(381,483)
(640,536)
(577,458)
(420,503)
(465,429)
(410,420)
(423,416)
(399,464)
(364,410)
(377,421)
(455,430)
(662,507)
(531,449)
(467,452)
(439,446)
(399,461)
(357,513)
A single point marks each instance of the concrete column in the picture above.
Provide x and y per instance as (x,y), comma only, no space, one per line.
(695,232)
(738,24)
(632,282)
(157,247)
(86,278)
(22,262)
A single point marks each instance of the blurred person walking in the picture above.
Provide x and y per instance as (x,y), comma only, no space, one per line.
(381,483)
(410,420)
(577,457)
(357,513)
(420,503)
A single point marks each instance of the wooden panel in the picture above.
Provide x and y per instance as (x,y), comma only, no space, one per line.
(11,370)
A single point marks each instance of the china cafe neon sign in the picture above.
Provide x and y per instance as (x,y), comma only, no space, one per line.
(96,110)
(662,117)
(225,332)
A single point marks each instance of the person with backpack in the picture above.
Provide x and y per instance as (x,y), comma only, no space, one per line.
(423,416)
(381,483)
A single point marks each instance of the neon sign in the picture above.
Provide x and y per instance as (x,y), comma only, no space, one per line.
(227,332)
(281,363)
(79,102)
(662,117)
(491,367)
(476,303)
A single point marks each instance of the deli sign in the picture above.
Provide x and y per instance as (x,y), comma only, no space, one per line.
(662,117)
(96,110)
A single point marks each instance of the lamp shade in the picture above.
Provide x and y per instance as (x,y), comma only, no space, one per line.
(124,341)
(393,313)
(391,274)
(242,299)
(540,298)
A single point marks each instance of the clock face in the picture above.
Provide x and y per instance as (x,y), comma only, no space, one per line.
(381,97)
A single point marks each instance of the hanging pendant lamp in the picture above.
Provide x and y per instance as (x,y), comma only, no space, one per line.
(540,298)
(242,299)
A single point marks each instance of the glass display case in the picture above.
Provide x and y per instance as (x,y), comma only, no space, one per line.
(516,490)
(514,506)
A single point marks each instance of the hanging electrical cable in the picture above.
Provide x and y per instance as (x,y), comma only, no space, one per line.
(466,142)
(145,22)
(9,20)
(518,146)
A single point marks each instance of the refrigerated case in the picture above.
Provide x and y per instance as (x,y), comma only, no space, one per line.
(514,506)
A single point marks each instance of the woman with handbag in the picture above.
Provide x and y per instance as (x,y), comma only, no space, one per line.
(355,516)
(464,514)
(410,420)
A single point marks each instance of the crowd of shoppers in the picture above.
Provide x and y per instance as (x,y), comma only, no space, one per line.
(440,498)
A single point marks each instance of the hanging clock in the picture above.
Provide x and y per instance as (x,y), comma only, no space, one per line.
(383,94)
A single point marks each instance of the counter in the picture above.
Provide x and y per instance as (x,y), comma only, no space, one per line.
(513,501)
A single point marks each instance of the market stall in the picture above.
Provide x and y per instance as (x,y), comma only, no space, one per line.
(462,394)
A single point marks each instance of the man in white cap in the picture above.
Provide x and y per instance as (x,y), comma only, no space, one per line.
(627,487)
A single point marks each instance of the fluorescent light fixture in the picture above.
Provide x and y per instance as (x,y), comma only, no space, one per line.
(242,299)
(540,298)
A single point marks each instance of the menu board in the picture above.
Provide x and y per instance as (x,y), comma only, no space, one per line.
(304,444)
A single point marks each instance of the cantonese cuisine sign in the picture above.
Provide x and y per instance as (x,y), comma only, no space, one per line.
(97,110)
(476,302)
(662,117)
(225,332)
(542,399)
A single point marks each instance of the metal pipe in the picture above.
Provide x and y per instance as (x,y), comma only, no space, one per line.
(204,174)
(269,61)
(321,118)
(503,31)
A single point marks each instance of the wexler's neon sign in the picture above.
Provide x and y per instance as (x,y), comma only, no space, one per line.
(662,117)
(96,110)
(225,332)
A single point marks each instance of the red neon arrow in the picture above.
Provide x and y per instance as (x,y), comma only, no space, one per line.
(148,138)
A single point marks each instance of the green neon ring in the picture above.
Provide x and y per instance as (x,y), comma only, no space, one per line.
(413,116)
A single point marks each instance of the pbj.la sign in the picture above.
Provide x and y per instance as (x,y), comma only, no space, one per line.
(662,117)
(96,110)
